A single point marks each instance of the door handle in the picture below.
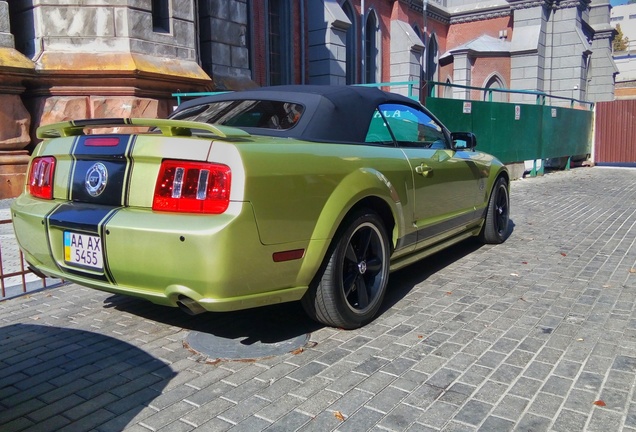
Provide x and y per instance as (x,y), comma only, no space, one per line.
(423,170)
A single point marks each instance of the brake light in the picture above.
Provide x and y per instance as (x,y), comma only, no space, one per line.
(101,142)
(192,187)
(41,177)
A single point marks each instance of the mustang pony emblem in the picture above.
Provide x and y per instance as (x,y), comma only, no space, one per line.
(96,179)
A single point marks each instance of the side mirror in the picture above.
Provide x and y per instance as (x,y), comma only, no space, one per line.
(464,140)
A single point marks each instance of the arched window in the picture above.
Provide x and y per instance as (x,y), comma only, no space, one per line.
(431,59)
(279,44)
(372,48)
(494,82)
(350,72)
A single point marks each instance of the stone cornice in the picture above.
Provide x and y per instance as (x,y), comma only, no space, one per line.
(605,34)
(479,16)
(549,4)
(433,10)
(441,14)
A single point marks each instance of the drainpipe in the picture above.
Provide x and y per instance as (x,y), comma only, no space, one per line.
(302,42)
(363,43)
(197,33)
(424,12)
(425,54)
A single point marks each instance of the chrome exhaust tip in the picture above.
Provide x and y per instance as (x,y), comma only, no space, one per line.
(190,306)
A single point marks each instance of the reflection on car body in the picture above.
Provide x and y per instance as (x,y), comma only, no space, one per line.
(311,193)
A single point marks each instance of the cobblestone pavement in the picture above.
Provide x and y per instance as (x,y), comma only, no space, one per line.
(536,334)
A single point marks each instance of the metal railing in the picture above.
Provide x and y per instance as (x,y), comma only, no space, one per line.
(15,277)
(413,88)
(540,97)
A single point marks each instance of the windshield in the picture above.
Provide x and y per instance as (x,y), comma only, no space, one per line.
(245,113)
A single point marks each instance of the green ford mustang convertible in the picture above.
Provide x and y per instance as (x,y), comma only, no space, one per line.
(310,193)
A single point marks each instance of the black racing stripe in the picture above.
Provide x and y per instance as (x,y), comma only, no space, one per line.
(75,216)
(437,229)
(407,240)
(82,218)
(69,188)
(432,231)
(100,152)
(103,121)
(131,166)
(112,193)
(114,159)
(57,218)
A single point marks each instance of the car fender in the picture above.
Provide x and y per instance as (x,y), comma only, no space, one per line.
(497,170)
(359,185)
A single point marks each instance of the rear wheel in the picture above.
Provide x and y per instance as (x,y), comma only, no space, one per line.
(495,229)
(349,290)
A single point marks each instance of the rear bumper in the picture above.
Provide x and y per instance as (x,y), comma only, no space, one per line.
(216,260)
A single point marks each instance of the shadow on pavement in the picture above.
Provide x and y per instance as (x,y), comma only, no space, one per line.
(63,379)
(268,324)
(283,322)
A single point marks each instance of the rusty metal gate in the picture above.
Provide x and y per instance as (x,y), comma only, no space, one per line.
(615,133)
(15,277)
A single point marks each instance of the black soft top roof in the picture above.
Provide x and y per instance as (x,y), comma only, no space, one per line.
(332,113)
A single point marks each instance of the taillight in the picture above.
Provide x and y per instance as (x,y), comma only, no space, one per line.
(41,177)
(192,187)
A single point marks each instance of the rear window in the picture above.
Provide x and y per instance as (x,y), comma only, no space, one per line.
(245,113)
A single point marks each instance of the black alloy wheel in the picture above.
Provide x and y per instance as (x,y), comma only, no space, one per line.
(350,289)
(496,224)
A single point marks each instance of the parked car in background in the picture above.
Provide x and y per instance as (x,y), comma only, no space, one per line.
(310,193)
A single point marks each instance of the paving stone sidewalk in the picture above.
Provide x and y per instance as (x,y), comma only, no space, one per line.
(536,334)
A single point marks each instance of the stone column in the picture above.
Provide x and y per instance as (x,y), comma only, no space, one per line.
(603,70)
(407,50)
(328,25)
(528,50)
(462,66)
(15,120)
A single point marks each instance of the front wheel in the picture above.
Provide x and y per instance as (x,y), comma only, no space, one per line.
(495,229)
(349,290)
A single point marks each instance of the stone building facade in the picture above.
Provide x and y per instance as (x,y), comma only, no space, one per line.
(63,59)
(558,47)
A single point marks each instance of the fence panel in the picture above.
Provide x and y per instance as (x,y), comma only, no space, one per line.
(518,132)
(615,133)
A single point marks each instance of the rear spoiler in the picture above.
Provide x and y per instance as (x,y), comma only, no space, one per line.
(167,127)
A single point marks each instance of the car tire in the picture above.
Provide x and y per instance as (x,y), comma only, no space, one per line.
(496,224)
(348,291)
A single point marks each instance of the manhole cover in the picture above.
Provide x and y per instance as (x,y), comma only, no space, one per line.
(215,347)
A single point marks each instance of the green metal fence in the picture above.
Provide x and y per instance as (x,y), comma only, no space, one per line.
(518,132)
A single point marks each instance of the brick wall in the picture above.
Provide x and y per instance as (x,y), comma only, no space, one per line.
(259,43)
(462,33)
(484,68)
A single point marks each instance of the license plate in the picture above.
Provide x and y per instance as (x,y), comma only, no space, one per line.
(83,250)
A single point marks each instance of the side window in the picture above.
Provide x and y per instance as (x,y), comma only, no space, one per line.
(413,128)
(378,131)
